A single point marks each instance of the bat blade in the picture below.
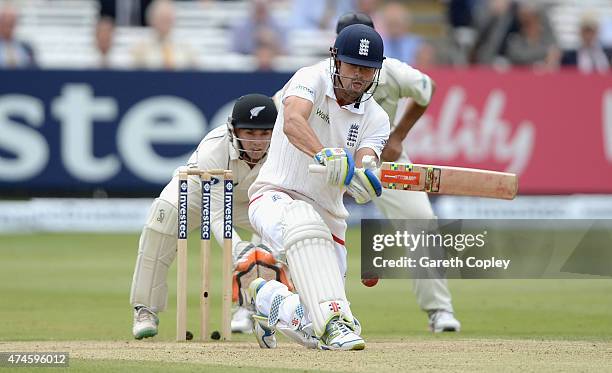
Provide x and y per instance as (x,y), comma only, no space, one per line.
(449,180)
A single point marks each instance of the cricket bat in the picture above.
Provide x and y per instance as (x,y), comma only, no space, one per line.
(448,180)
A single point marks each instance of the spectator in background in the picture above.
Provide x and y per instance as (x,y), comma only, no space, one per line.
(534,45)
(369,7)
(105,31)
(125,12)
(427,57)
(395,30)
(258,21)
(460,14)
(318,14)
(267,48)
(494,24)
(13,53)
(590,56)
(160,51)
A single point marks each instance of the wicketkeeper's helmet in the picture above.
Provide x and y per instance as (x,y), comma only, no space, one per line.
(252,111)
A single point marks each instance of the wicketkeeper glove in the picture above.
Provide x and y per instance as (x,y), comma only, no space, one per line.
(339,165)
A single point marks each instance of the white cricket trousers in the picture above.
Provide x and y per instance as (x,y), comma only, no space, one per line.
(265,214)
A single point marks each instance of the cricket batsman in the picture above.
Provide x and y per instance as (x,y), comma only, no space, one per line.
(327,118)
(399,80)
(240,146)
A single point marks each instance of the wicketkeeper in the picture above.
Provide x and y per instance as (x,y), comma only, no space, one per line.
(240,146)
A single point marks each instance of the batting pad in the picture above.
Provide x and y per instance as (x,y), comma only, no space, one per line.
(156,252)
(313,265)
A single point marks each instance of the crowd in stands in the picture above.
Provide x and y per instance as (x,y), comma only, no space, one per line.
(519,33)
(498,33)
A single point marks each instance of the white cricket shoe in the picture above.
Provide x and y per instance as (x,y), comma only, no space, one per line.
(443,321)
(242,321)
(302,335)
(266,336)
(145,323)
(340,336)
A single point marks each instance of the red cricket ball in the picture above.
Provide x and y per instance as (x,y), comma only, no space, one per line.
(370,280)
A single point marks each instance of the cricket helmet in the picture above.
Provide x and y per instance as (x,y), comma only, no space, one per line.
(353,18)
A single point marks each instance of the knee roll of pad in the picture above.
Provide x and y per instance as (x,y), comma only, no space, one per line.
(302,222)
(163,217)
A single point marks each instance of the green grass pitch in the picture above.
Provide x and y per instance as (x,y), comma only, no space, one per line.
(75,287)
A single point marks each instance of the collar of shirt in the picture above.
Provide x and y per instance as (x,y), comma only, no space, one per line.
(234,154)
(353,108)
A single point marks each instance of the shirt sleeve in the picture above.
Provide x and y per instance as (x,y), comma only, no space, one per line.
(412,83)
(376,133)
(212,152)
(305,84)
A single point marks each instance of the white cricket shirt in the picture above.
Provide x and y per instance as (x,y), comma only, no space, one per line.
(351,127)
(215,151)
(400,80)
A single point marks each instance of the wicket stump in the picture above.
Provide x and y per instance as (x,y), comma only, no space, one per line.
(181,254)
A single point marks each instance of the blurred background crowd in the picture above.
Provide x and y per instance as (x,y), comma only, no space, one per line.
(283,35)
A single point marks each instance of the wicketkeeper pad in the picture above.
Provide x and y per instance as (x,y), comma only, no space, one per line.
(253,261)
(156,251)
(314,268)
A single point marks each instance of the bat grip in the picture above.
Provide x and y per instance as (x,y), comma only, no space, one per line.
(369,162)
(316,169)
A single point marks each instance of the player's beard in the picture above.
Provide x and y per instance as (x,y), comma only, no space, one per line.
(353,95)
(352,91)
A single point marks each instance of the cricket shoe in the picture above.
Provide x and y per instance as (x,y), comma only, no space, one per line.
(242,321)
(145,323)
(443,321)
(340,336)
(265,335)
(303,335)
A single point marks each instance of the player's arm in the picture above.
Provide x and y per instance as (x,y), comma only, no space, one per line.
(296,113)
(411,115)
(420,89)
(364,152)
(338,163)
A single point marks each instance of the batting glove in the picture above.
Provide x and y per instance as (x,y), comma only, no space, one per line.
(339,165)
(364,186)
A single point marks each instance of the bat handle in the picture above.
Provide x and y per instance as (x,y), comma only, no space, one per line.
(316,169)
(369,162)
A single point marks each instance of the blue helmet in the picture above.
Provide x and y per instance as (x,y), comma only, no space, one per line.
(359,45)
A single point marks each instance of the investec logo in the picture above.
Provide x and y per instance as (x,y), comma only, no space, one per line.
(205,228)
(227,209)
(182,226)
